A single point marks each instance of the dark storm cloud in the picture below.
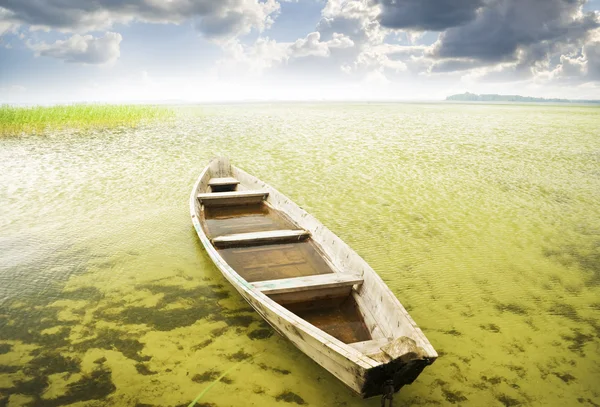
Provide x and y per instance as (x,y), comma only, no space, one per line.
(427,15)
(214,18)
(503,27)
(478,33)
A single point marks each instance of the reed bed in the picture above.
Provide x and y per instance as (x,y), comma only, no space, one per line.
(41,119)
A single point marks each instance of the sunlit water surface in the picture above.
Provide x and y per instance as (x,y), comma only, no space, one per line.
(484,220)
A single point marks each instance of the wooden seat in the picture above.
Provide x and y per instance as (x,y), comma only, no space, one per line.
(222,181)
(259,238)
(232,198)
(316,282)
(223,184)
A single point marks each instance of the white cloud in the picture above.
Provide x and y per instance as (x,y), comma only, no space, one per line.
(579,68)
(570,67)
(347,30)
(82,49)
(7,25)
(340,41)
(251,60)
(266,53)
(377,59)
(312,45)
(357,19)
(591,52)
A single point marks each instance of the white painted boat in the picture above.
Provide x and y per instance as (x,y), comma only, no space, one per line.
(306,282)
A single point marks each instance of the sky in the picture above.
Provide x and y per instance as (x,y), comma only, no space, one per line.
(63,51)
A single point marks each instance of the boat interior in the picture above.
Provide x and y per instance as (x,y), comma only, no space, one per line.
(269,250)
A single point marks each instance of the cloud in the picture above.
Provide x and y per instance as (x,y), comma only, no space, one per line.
(427,15)
(372,56)
(451,65)
(6,24)
(82,49)
(354,41)
(239,19)
(403,51)
(340,41)
(242,60)
(311,45)
(356,19)
(579,68)
(504,27)
(527,41)
(215,19)
(377,59)
(569,68)
(591,52)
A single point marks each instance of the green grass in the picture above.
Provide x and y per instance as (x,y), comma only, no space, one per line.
(38,119)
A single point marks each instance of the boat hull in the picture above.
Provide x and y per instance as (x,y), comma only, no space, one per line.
(363,374)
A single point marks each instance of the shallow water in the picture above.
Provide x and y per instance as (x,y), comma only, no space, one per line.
(483,220)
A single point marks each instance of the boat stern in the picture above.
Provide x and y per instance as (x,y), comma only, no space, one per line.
(402,361)
(399,372)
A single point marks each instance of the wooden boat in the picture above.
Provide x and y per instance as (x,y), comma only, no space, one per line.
(306,282)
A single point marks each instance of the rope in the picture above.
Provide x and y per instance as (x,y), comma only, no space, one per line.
(203,392)
(218,379)
(387,393)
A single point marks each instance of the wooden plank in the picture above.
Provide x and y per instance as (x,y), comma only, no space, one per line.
(320,281)
(260,238)
(220,167)
(370,347)
(223,181)
(232,198)
(318,294)
(371,321)
(211,196)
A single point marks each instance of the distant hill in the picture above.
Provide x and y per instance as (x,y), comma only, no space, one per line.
(472,97)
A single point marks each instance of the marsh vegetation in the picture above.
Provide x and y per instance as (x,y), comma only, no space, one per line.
(40,119)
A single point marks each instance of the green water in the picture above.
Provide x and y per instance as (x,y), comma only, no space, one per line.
(484,220)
